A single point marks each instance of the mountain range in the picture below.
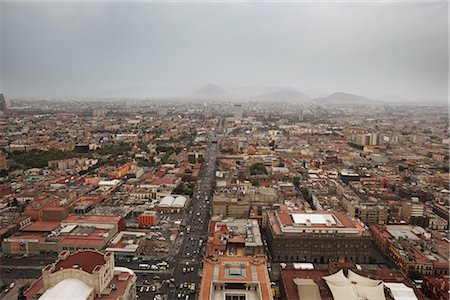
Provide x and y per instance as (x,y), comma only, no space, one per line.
(277,94)
(284,95)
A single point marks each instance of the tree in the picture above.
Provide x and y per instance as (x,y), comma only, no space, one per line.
(296,181)
(258,169)
(14,202)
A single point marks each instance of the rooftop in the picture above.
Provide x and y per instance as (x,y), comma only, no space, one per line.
(86,260)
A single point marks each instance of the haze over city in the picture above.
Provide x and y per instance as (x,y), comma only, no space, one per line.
(394,51)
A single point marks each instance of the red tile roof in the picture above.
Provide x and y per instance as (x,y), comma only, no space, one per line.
(42,226)
(87,260)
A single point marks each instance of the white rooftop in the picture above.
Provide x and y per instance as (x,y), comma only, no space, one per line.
(69,289)
(313,218)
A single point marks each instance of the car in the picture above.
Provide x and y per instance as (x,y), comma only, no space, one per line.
(185,285)
(9,270)
(6,290)
(181,286)
(184,270)
(147,289)
(141,290)
(11,285)
(188,254)
(153,288)
(179,296)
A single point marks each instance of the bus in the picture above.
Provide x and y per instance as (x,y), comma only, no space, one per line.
(192,288)
(144,266)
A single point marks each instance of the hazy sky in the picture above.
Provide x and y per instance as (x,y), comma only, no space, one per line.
(372,49)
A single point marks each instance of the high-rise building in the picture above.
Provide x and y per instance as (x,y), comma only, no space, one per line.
(367,139)
(3,105)
(207,111)
(317,112)
(238,112)
(300,115)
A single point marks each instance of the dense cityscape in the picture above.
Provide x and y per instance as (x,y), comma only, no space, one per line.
(223,199)
(224,150)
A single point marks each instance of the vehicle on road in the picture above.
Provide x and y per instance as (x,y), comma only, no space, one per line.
(144,266)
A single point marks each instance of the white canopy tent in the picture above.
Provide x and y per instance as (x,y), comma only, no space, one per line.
(400,291)
(354,287)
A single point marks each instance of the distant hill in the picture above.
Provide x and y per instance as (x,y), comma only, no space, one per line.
(345,98)
(211,91)
(284,95)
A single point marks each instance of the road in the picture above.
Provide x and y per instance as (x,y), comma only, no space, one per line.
(190,254)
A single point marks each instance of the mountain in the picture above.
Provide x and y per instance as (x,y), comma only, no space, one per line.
(211,91)
(345,98)
(284,95)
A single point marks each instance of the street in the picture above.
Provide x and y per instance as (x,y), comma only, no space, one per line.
(188,261)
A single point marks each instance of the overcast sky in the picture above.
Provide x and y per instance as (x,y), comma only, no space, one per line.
(371,49)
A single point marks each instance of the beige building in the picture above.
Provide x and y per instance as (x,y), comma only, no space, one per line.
(413,208)
(86,275)
(237,203)
(3,164)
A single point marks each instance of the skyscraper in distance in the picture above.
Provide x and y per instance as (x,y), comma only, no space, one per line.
(3,106)
(238,112)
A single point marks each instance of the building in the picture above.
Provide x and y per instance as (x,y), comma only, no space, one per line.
(230,207)
(371,213)
(235,278)
(36,207)
(413,208)
(303,282)
(234,237)
(84,275)
(148,219)
(318,237)
(74,233)
(237,204)
(436,288)
(367,139)
(3,162)
(127,243)
(172,204)
(317,112)
(3,105)
(415,251)
(238,112)
(300,115)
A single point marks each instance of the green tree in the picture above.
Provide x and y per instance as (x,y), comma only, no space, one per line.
(258,169)
(296,181)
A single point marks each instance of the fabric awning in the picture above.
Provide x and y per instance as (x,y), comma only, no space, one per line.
(307,289)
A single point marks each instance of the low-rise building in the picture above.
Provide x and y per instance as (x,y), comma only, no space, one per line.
(84,275)
(235,278)
(318,236)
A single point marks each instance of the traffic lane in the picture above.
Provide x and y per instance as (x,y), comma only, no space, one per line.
(20,273)
(27,261)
